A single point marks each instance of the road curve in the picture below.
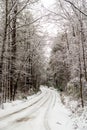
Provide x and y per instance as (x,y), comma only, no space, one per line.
(34,115)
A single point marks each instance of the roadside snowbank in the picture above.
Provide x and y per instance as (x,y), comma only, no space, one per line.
(79,114)
(43,111)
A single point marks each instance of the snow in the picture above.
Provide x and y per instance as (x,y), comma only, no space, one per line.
(42,111)
(79,114)
(80,119)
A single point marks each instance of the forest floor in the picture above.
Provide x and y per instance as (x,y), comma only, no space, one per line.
(42,111)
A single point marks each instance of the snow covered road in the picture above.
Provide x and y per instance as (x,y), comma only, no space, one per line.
(43,111)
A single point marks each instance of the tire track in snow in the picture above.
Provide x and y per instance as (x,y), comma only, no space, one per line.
(50,106)
(26,118)
(36,109)
(48,99)
(30,105)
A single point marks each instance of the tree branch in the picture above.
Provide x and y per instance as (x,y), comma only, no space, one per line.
(24,25)
(19,11)
(76,7)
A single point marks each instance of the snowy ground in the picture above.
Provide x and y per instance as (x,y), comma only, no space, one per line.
(79,114)
(43,111)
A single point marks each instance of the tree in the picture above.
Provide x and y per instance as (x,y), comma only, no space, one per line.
(73,19)
(58,63)
(20,54)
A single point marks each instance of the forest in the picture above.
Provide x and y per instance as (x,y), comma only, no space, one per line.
(43,45)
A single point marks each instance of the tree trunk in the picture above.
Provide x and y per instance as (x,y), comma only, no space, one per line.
(83,49)
(3,50)
(13,53)
(81,87)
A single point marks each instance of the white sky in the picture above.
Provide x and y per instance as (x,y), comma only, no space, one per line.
(46,25)
(49,28)
(48,3)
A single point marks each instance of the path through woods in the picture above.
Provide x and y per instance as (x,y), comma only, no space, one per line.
(43,111)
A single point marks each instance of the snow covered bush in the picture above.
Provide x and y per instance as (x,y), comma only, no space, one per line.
(73,87)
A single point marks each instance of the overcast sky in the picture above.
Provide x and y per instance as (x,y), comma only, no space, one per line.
(48,3)
(47,27)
